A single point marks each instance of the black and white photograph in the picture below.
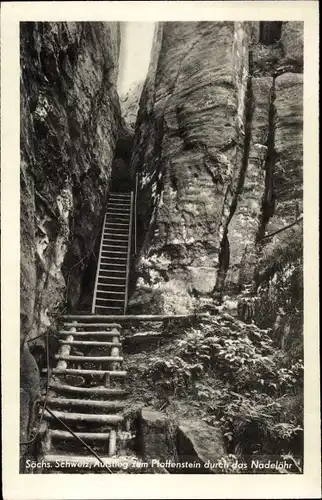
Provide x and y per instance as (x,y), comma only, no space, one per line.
(161,247)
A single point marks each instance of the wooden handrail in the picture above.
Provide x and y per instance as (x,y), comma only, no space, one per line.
(128,262)
(135,213)
(98,266)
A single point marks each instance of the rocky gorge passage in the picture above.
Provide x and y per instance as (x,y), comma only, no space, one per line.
(215,160)
(70,123)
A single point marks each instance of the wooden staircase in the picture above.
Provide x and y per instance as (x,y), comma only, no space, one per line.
(84,426)
(85,393)
(112,276)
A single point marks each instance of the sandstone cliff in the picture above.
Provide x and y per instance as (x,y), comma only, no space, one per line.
(218,152)
(130,104)
(70,116)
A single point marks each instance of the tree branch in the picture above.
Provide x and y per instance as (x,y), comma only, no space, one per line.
(299,219)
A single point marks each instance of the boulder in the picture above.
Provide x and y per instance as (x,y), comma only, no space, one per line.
(156,439)
(199,442)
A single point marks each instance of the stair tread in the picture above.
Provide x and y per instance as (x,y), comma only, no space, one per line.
(94,333)
(90,417)
(87,390)
(89,358)
(111,264)
(79,371)
(109,300)
(112,285)
(84,402)
(108,307)
(91,343)
(110,325)
(82,435)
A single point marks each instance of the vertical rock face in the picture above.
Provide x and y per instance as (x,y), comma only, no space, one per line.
(218,153)
(70,116)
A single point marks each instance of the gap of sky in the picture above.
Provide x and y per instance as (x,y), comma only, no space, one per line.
(135,50)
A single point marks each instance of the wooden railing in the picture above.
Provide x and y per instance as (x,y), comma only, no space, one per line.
(98,266)
(128,262)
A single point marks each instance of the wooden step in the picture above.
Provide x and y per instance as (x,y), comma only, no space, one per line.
(118,209)
(90,403)
(98,306)
(115,246)
(75,371)
(87,436)
(124,235)
(85,316)
(94,333)
(85,417)
(120,255)
(85,359)
(110,292)
(108,223)
(138,317)
(101,391)
(104,262)
(103,299)
(111,307)
(117,285)
(108,326)
(91,343)
(118,214)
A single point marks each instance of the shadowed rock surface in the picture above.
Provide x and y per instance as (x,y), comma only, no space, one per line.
(70,117)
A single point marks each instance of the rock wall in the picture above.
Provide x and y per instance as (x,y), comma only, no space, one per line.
(70,116)
(218,153)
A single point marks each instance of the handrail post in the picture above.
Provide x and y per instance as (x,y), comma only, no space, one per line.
(128,256)
(98,265)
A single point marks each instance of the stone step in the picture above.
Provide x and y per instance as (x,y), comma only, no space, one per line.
(85,417)
(85,359)
(89,403)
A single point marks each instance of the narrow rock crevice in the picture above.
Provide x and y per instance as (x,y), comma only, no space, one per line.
(269,198)
(224,256)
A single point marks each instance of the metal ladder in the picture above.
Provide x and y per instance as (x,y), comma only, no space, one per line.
(112,276)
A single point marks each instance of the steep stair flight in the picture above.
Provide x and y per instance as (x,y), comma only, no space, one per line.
(112,276)
(84,428)
(85,402)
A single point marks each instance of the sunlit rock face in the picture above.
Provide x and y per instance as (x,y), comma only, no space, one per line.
(130,104)
(218,154)
(70,116)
